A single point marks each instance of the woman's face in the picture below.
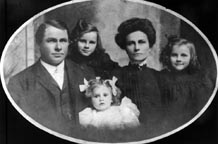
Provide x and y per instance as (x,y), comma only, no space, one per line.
(102,98)
(180,57)
(87,43)
(137,46)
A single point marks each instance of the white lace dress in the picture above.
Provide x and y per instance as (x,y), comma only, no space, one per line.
(116,117)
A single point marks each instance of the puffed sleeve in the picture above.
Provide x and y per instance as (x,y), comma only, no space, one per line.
(85,117)
(129,112)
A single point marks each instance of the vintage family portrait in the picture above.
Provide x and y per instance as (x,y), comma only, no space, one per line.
(109,71)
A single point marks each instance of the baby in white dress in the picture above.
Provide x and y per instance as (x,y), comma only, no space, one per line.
(107,111)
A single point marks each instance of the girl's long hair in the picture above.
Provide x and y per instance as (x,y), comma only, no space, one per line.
(165,53)
(79,30)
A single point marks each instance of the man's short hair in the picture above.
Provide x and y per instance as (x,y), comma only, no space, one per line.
(39,35)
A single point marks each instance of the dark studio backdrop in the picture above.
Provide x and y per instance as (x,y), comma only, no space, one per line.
(15,129)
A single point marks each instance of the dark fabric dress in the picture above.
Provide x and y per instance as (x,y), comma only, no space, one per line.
(141,86)
(101,63)
(184,94)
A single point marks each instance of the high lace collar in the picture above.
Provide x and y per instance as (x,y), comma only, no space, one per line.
(137,66)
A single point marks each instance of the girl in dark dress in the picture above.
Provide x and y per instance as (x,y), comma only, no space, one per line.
(185,87)
(86,49)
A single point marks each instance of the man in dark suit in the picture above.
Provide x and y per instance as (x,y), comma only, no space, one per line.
(48,91)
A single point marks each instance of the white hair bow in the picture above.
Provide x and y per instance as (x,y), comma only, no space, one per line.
(84,86)
(112,83)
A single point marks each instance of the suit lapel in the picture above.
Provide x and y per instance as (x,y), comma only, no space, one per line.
(65,83)
(46,80)
(73,77)
(73,85)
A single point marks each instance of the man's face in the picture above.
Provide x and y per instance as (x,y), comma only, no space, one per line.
(137,46)
(54,45)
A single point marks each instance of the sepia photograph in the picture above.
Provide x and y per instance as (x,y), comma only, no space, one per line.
(108,71)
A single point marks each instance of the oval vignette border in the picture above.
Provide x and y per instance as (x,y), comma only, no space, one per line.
(134,1)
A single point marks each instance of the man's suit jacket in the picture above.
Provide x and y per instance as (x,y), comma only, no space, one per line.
(37,94)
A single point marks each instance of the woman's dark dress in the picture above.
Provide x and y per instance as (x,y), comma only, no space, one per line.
(140,85)
(183,95)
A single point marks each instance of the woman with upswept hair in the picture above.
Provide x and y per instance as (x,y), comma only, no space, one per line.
(137,36)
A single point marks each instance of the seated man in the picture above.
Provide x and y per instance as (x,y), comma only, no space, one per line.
(48,91)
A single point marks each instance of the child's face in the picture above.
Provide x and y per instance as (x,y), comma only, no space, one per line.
(102,98)
(87,43)
(180,57)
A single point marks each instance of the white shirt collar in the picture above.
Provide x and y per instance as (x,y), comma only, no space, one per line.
(51,69)
(57,72)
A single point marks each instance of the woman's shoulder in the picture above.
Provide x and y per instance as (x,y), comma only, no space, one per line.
(164,72)
(106,59)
